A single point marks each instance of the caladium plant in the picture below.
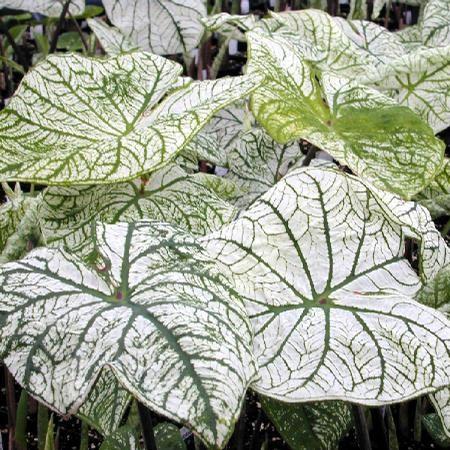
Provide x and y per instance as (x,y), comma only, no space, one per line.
(155,283)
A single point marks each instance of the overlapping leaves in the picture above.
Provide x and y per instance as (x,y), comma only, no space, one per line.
(83,121)
(155,309)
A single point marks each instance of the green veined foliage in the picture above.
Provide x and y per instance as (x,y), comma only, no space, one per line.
(256,162)
(170,195)
(320,262)
(77,120)
(46,7)
(110,38)
(106,404)
(435,24)
(160,26)
(309,426)
(153,307)
(381,141)
(436,196)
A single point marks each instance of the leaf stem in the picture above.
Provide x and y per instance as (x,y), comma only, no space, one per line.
(362,432)
(79,31)
(380,427)
(42,425)
(59,25)
(145,417)
(309,156)
(21,421)
(84,440)
(17,50)
(11,407)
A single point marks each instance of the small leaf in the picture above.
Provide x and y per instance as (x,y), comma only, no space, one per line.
(436,293)
(123,439)
(168,437)
(77,120)
(257,162)
(309,426)
(319,260)
(154,308)
(382,142)
(110,38)
(434,428)
(168,27)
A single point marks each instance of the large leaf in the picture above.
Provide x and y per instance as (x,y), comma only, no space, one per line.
(46,7)
(319,259)
(106,404)
(419,80)
(436,196)
(381,141)
(311,426)
(257,162)
(171,195)
(155,309)
(110,38)
(161,26)
(89,121)
(436,23)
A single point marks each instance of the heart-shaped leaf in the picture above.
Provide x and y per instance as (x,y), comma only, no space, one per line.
(155,309)
(320,261)
(436,23)
(310,426)
(77,120)
(163,27)
(381,141)
(171,195)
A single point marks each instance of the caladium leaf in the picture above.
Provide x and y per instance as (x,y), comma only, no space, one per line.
(310,426)
(335,51)
(320,263)
(106,129)
(168,437)
(232,26)
(419,80)
(125,438)
(436,293)
(410,37)
(436,23)
(106,404)
(110,38)
(436,196)
(257,162)
(381,44)
(203,148)
(154,308)
(358,9)
(46,7)
(378,5)
(163,27)
(441,403)
(381,141)
(171,195)
(434,428)
(227,124)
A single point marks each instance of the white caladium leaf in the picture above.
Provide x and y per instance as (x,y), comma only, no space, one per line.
(154,308)
(410,37)
(381,141)
(227,124)
(316,425)
(203,148)
(381,44)
(257,162)
(110,38)
(230,25)
(436,196)
(419,80)
(106,404)
(441,403)
(436,23)
(161,26)
(320,264)
(46,7)
(170,195)
(335,51)
(79,120)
